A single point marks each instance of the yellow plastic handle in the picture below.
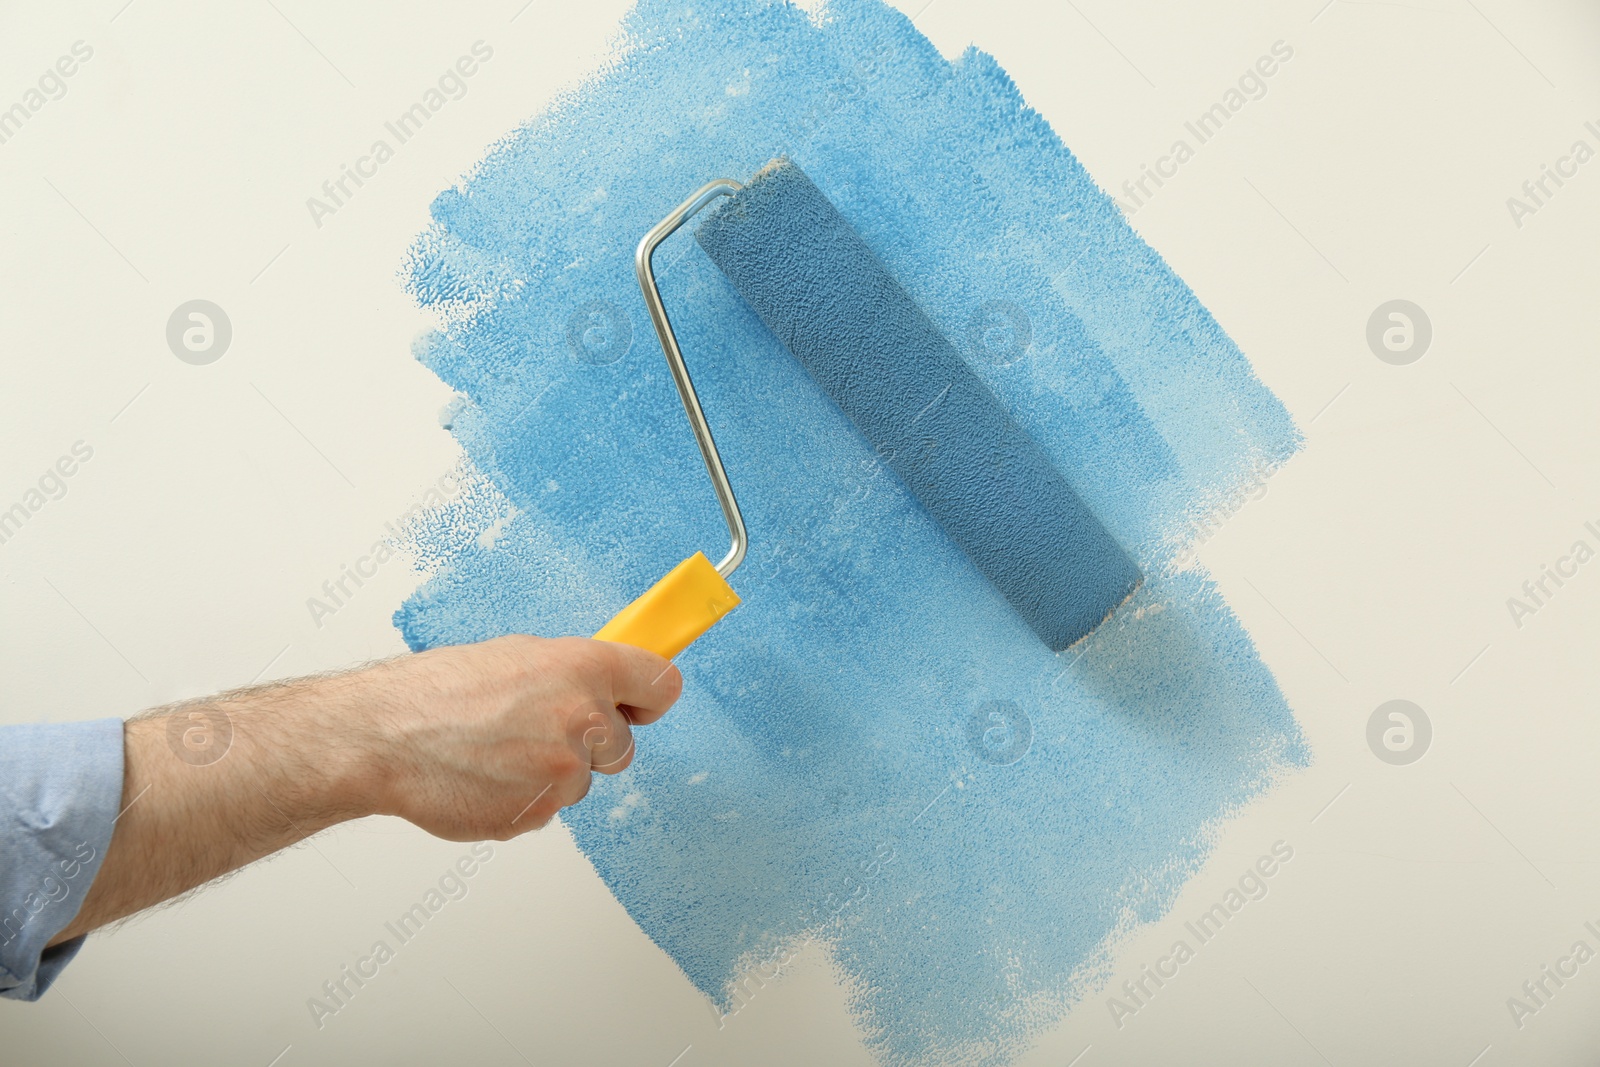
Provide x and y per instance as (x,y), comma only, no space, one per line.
(672,613)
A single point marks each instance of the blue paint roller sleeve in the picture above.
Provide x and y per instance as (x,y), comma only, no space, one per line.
(818,287)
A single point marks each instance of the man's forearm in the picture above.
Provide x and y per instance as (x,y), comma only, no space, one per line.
(213,785)
(471,742)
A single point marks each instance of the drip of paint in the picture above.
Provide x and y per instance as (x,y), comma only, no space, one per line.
(873,754)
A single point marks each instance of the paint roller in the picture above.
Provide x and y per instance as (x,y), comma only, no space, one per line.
(837,309)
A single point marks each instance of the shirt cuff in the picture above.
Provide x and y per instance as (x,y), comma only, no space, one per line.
(60,794)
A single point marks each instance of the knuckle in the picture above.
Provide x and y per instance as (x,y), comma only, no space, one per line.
(593,657)
(567,764)
(584,784)
(616,755)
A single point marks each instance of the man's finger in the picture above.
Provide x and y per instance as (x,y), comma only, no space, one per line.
(641,681)
(600,735)
(616,753)
(570,790)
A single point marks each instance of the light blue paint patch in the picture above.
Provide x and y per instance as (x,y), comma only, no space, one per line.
(874,752)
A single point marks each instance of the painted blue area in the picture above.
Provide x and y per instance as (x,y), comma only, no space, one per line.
(817,286)
(874,752)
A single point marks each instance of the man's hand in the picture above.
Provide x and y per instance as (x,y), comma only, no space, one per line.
(468,742)
(490,740)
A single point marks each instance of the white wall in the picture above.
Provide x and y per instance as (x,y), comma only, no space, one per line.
(1377,566)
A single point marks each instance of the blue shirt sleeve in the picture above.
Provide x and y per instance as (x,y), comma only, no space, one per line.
(60,793)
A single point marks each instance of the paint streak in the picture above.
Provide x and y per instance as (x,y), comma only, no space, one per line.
(874,752)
